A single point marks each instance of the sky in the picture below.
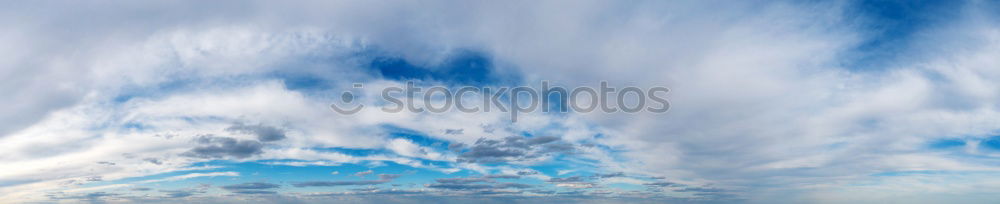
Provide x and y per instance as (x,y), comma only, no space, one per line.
(229,102)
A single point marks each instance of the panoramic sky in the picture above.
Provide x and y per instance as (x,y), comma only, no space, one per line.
(233,102)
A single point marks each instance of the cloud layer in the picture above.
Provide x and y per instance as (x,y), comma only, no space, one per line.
(770,102)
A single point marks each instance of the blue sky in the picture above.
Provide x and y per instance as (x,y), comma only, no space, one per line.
(228,102)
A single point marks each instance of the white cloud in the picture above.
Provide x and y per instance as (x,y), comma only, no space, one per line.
(758,91)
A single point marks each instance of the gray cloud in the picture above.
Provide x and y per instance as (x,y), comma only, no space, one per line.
(263,133)
(572,182)
(370,191)
(93,178)
(456,146)
(364,173)
(476,184)
(610,175)
(383,178)
(153,160)
(701,190)
(460,186)
(388,176)
(224,147)
(514,148)
(661,184)
(539,191)
(502,176)
(512,185)
(180,193)
(462,180)
(566,179)
(255,192)
(251,186)
(453,131)
(94,196)
(338,183)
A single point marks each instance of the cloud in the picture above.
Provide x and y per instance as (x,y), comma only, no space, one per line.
(513,185)
(502,176)
(572,182)
(453,131)
(700,189)
(576,185)
(364,173)
(371,191)
(338,183)
(388,176)
(179,193)
(407,148)
(512,149)
(250,186)
(88,196)
(566,179)
(193,175)
(263,133)
(764,95)
(481,185)
(255,192)
(383,178)
(153,160)
(610,175)
(210,146)
(661,184)
(458,186)
(462,180)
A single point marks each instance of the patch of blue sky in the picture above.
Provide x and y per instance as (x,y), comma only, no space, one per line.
(353,151)
(949,143)
(890,27)
(303,81)
(991,143)
(464,67)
